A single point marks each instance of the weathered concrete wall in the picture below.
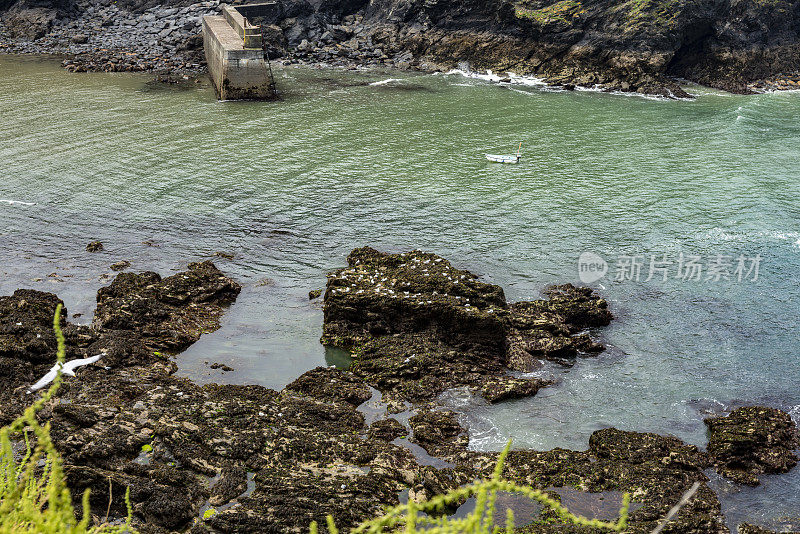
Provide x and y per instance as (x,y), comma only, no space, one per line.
(238,73)
(250,34)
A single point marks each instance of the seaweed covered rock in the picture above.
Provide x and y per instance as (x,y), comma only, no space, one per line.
(502,388)
(438,432)
(656,470)
(418,326)
(170,313)
(546,329)
(94,246)
(387,429)
(418,367)
(260,456)
(578,306)
(26,326)
(273,458)
(330,383)
(137,315)
(28,344)
(751,441)
(640,447)
(275,461)
(384,294)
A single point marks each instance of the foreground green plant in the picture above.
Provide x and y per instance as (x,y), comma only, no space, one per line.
(34,497)
(481,519)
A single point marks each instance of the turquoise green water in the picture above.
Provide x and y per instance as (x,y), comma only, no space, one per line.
(291,187)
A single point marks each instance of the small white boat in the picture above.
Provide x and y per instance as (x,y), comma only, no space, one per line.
(503,159)
(507,158)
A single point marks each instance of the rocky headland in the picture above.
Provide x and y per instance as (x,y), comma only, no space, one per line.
(646,46)
(224,458)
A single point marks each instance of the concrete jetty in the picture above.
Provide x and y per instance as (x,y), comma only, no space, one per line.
(235,57)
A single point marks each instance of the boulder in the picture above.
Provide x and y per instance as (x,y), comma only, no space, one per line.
(331,384)
(387,429)
(171,313)
(438,432)
(751,441)
(120,265)
(94,246)
(29,23)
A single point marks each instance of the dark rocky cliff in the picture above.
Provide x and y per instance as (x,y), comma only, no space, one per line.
(629,45)
(625,44)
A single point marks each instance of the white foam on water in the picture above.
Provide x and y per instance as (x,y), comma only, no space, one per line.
(779,91)
(795,414)
(528,93)
(490,76)
(386,81)
(719,234)
(634,94)
(779,234)
(543,374)
(532,81)
(484,435)
(19,202)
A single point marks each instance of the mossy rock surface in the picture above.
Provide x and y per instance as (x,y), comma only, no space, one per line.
(751,441)
(417,326)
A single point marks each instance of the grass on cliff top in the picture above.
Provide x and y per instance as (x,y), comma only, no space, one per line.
(563,11)
(635,14)
(644,13)
(34,497)
(428,517)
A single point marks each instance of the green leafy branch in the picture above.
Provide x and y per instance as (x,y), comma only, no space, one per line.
(481,519)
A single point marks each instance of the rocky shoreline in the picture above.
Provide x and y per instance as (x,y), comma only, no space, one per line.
(344,442)
(606,45)
(105,36)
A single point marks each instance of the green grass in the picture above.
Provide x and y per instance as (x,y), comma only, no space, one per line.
(643,13)
(637,14)
(481,520)
(563,11)
(34,497)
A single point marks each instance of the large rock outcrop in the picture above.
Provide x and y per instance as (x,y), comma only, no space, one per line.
(417,326)
(626,45)
(169,313)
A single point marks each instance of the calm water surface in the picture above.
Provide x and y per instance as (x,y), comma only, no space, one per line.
(165,176)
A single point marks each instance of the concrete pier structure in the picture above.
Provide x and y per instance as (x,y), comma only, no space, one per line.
(235,58)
